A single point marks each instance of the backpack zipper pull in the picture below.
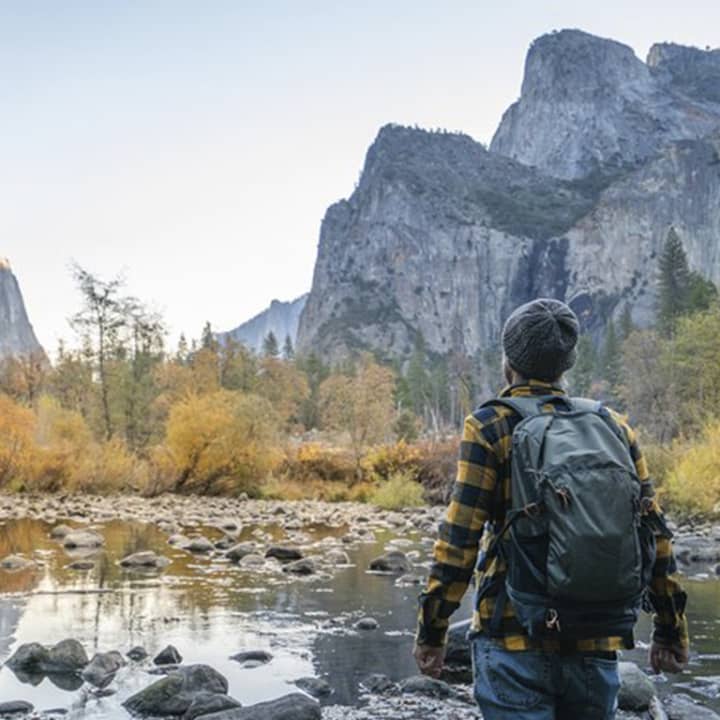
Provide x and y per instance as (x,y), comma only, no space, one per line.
(552,620)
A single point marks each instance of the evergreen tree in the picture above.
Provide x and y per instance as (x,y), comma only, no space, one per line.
(208,340)
(583,373)
(611,360)
(182,350)
(288,348)
(626,322)
(702,293)
(673,282)
(270,345)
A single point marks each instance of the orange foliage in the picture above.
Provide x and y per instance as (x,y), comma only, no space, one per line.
(17,425)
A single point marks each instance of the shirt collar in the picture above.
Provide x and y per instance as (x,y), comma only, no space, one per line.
(532,387)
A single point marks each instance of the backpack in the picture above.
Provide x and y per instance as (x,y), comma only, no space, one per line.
(579,555)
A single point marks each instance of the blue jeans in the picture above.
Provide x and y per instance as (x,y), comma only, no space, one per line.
(535,685)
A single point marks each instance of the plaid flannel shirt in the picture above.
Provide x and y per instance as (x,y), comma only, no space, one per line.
(483,482)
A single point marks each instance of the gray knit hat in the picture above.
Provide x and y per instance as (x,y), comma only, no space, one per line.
(539,339)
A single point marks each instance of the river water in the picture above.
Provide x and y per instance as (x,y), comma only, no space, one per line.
(209,609)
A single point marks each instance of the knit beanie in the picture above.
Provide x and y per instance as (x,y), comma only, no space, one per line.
(539,339)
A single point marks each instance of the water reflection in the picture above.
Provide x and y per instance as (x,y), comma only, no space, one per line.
(210,609)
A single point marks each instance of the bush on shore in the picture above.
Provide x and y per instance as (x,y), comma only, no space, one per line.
(400,490)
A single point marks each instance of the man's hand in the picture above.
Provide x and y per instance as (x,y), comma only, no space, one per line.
(429,659)
(668,658)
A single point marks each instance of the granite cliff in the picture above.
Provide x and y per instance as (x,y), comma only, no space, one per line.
(17,336)
(574,198)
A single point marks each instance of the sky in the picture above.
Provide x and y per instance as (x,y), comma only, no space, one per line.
(194,147)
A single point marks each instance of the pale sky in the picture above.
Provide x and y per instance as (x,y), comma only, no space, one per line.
(195,146)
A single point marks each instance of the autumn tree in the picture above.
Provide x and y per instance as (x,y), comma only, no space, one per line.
(17,425)
(286,387)
(221,442)
(360,404)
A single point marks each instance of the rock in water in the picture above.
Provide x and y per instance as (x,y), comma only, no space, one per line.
(636,688)
(68,656)
(101,670)
(317,687)
(423,685)
(175,693)
(15,707)
(15,563)
(208,703)
(168,656)
(300,567)
(137,653)
(683,707)
(366,623)
(295,706)
(284,553)
(394,561)
(252,657)
(145,559)
(239,551)
(83,539)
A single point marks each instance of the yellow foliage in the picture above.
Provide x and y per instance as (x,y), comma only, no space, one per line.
(387,460)
(222,442)
(313,462)
(693,485)
(400,491)
(285,387)
(17,425)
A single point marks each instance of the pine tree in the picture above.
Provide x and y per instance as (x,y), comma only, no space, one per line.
(182,349)
(583,373)
(270,345)
(288,348)
(626,322)
(208,340)
(611,361)
(674,283)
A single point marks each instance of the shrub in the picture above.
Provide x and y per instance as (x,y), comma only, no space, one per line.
(314,462)
(387,460)
(398,492)
(693,485)
(17,425)
(223,442)
(438,468)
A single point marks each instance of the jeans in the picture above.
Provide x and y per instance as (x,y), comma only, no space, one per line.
(535,685)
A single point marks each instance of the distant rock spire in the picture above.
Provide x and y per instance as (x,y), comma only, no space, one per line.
(17,336)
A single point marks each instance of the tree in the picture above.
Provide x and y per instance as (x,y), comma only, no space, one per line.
(316,373)
(702,293)
(626,322)
(673,283)
(288,349)
(99,323)
(285,387)
(17,425)
(270,345)
(583,373)
(360,405)
(611,359)
(208,341)
(221,442)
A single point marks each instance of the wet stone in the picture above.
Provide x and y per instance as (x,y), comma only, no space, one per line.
(636,688)
(102,668)
(300,567)
(366,623)
(199,545)
(252,658)
(394,561)
(15,707)
(317,687)
(83,539)
(379,684)
(284,553)
(239,551)
(168,656)
(60,531)
(683,707)
(15,563)
(137,654)
(145,559)
(423,685)
(205,703)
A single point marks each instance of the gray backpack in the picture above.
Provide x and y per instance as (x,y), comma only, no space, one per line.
(578,554)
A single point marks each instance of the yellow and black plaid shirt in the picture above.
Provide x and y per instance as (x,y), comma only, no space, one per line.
(480,500)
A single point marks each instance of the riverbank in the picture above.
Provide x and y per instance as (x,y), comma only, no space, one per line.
(322,594)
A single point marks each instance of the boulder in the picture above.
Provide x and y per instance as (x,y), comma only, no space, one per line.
(175,693)
(295,706)
(145,559)
(199,545)
(284,553)
(394,561)
(138,653)
(15,707)
(252,658)
(60,531)
(239,551)
(379,684)
(683,707)
(68,656)
(251,560)
(101,670)
(338,557)
(423,685)
(15,563)
(206,703)
(305,566)
(168,656)
(366,623)
(83,539)
(636,688)
(317,687)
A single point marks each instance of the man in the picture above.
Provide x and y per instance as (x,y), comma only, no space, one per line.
(516,676)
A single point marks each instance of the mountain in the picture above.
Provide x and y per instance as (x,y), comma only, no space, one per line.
(574,199)
(590,105)
(281,318)
(17,336)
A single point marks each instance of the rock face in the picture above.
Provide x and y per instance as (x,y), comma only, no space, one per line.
(17,336)
(281,318)
(589,104)
(587,172)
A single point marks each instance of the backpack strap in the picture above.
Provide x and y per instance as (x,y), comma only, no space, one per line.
(530,405)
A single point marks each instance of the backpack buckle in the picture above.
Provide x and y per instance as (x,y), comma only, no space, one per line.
(552,620)
(532,510)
